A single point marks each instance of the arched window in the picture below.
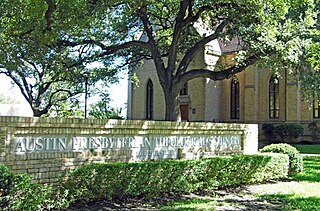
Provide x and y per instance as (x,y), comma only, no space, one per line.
(149,100)
(274,103)
(184,90)
(235,99)
(316,109)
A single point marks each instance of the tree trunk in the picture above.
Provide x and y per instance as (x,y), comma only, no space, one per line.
(38,113)
(171,104)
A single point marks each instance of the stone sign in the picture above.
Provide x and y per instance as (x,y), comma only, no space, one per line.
(142,147)
(47,147)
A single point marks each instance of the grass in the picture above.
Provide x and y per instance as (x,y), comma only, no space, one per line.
(308,149)
(311,172)
(192,204)
(295,202)
(302,192)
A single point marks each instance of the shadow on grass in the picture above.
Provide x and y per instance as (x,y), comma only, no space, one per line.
(311,172)
(191,204)
(294,202)
(270,201)
(220,203)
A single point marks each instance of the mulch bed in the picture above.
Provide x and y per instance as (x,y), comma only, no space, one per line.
(240,198)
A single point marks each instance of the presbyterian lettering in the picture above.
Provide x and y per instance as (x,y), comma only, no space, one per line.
(147,144)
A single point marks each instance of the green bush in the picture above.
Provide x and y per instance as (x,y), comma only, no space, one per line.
(295,159)
(149,179)
(314,129)
(6,184)
(288,131)
(268,131)
(19,192)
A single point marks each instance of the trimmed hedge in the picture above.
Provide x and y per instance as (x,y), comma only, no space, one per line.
(295,159)
(150,179)
(19,192)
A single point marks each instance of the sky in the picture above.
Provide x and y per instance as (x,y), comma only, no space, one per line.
(118,93)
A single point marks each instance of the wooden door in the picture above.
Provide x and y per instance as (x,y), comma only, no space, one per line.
(184,111)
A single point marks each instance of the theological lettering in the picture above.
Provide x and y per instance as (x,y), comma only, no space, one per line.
(144,145)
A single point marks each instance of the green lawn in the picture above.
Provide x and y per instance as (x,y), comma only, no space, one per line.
(303,195)
(311,172)
(308,149)
(302,192)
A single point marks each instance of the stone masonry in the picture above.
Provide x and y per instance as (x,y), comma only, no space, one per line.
(47,147)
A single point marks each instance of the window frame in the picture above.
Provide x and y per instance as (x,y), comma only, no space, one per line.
(185,90)
(316,109)
(149,100)
(274,97)
(234,98)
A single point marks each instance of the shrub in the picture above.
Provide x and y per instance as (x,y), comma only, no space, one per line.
(19,192)
(149,179)
(314,129)
(288,131)
(268,131)
(295,159)
(6,184)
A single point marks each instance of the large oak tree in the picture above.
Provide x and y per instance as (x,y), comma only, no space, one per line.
(48,73)
(276,32)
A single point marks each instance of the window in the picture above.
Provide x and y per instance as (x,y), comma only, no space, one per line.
(316,109)
(274,103)
(184,90)
(235,96)
(149,100)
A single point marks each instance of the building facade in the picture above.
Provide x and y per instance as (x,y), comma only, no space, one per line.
(255,95)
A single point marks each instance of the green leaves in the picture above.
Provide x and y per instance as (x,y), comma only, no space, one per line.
(153,179)
(295,159)
(39,48)
(45,40)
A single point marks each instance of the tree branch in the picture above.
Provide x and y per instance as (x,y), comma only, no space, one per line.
(51,98)
(178,27)
(220,75)
(111,49)
(153,44)
(186,60)
(24,88)
(193,18)
(106,50)
(48,15)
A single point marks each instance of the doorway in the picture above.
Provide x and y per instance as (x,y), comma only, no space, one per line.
(184,112)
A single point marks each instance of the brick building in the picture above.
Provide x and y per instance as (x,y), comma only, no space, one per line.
(255,95)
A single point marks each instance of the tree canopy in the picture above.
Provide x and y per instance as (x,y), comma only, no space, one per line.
(278,33)
(33,55)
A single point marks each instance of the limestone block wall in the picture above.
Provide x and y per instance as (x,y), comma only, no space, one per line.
(197,99)
(137,105)
(47,147)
